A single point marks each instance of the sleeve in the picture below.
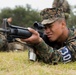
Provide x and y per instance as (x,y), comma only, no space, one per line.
(68,52)
(72,47)
(64,54)
(47,54)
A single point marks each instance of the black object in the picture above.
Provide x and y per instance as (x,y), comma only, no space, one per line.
(12,31)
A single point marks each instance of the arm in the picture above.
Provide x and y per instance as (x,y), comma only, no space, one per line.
(69,51)
(65,54)
(45,52)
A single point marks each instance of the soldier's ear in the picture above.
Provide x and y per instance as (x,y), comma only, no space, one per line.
(63,24)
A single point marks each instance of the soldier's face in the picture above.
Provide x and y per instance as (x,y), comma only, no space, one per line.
(54,31)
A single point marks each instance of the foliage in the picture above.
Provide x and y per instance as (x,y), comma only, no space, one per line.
(72,19)
(22,16)
(5,13)
(26,16)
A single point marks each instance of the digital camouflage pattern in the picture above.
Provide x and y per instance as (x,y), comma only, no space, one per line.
(2,40)
(64,5)
(13,46)
(16,46)
(49,15)
(72,43)
(53,55)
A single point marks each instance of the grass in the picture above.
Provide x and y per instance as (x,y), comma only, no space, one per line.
(17,63)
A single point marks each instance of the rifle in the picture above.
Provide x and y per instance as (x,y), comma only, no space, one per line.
(12,31)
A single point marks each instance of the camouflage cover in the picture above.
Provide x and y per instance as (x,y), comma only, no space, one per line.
(49,15)
(64,5)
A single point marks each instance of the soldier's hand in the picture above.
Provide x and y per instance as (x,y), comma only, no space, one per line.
(9,20)
(34,39)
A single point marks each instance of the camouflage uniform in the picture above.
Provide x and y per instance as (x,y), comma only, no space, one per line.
(53,52)
(2,41)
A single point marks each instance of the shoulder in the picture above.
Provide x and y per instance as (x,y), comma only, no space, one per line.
(73,31)
(72,34)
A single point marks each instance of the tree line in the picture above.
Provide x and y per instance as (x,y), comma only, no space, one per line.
(26,16)
(21,16)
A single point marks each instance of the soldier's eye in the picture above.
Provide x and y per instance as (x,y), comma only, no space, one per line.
(45,27)
(48,26)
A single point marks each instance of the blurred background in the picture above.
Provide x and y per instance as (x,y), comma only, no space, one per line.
(26,12)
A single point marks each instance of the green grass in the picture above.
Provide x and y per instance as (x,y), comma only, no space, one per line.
(17,63)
